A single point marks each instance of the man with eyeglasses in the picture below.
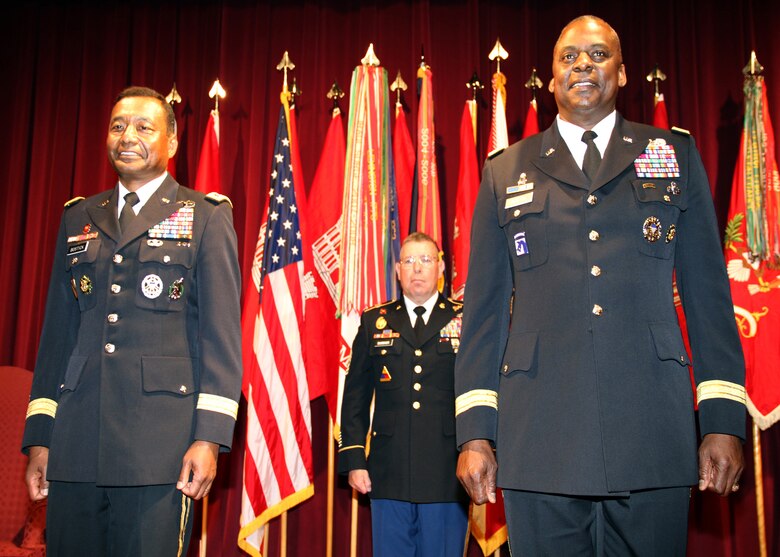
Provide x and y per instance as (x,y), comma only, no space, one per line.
(404,356)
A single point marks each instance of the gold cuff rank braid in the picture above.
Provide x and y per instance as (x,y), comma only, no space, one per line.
(351,447)
(42,406)
(721,389)
(214,403)
(477,397)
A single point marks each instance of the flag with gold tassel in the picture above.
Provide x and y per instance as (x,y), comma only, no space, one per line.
(752,249)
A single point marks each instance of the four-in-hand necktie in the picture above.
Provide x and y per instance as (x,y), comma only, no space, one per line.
(592,160)
(419,324)
(127,213)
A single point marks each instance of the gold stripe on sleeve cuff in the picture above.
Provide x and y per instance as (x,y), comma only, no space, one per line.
(477,397)
(44,406)
(351,447)
(221,404)
(721,389)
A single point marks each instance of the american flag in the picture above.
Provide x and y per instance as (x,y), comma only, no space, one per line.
(278,468)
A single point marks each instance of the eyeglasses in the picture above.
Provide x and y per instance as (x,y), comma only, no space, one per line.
(424,260)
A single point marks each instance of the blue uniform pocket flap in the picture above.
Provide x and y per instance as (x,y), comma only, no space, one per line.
(668,342)
(168,374)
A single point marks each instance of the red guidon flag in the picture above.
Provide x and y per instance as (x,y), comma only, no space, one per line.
(660,119)
(468,186)
(207,178)
(278,470)
(752,248)
(403,157)
(324,228)
(531,126)
(428,206)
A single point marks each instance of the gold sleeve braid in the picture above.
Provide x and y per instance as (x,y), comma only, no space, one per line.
(474,398)
(45,406)
(721,389)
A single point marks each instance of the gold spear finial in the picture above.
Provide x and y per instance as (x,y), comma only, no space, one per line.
(370,58)
(398,85)
(284,65)
(335,93)
(753,68)
(475,85)
(533,83)
(656,76)
(174,96)
(295,91)
(217,92)
(498,53)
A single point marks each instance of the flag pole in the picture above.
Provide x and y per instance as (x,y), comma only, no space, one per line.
(203,529)
(283,536)
(334,94)
(331,480)
(759,480)
(753,71)
(353,525)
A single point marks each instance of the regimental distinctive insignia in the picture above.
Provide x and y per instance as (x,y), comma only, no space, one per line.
(176,289)
(452,329)
(152,286)
(385,377)
(87,228)
(673,188)
(651,229)
(381,323)
(521,245)
(176,227)
(383,311)
(671,233)
(658,161)
(85,284)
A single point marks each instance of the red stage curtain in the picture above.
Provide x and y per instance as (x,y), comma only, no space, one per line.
(64,63)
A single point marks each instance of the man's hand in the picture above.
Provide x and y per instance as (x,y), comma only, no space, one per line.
(360,480)
(200,461)
(477,471)
(35,475)
(720,463)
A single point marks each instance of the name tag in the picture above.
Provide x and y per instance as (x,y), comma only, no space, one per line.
(523,199)
(78,248)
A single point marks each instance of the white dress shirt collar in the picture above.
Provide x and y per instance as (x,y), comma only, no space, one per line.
(145,192)
(572,135)
(428,305)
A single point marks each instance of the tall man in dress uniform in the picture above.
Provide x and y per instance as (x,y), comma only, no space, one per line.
(404,355)
(584,390)
(139,365)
